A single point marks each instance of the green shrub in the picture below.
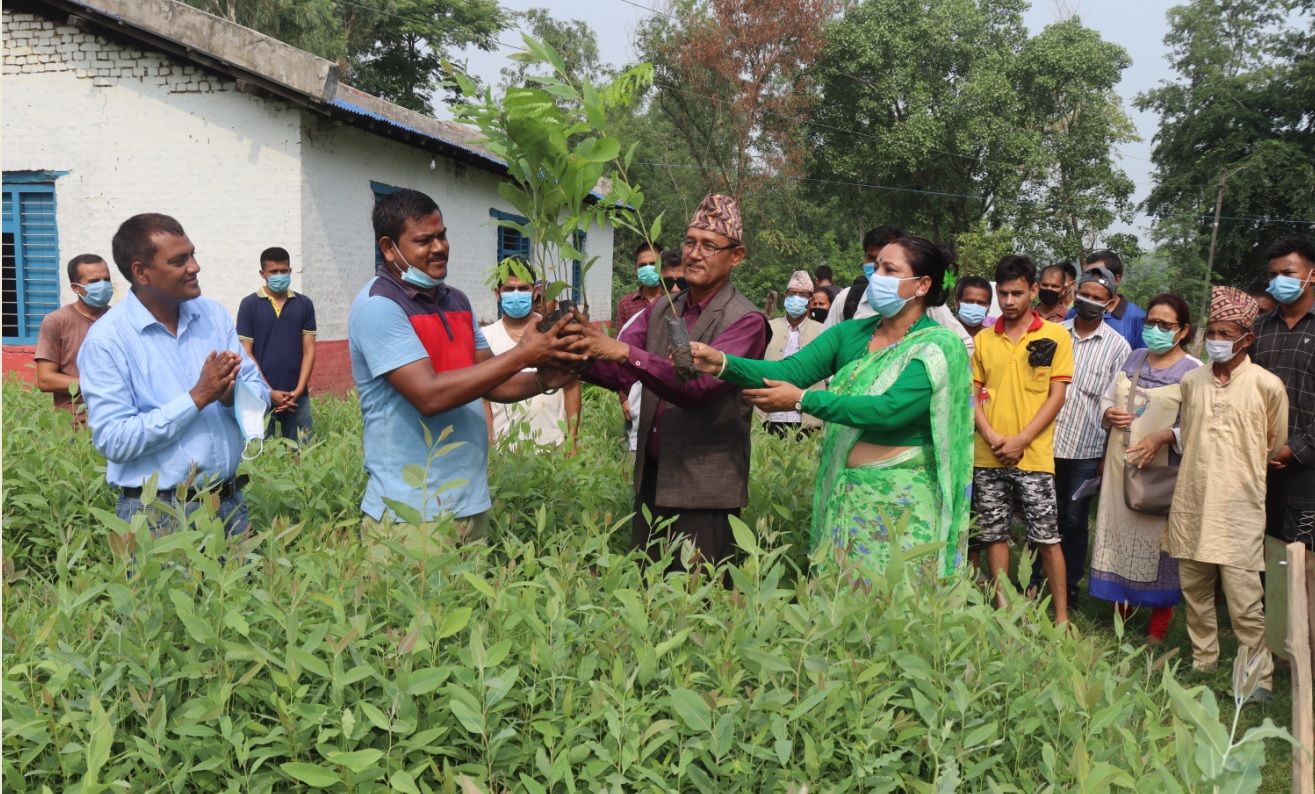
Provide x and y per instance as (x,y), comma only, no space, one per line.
(548,661)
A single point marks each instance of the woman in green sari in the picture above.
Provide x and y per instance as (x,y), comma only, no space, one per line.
(897,452)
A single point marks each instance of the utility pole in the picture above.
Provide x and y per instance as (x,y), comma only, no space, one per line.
(1224,174)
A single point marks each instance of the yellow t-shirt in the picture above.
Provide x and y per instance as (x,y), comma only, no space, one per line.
(1013,390)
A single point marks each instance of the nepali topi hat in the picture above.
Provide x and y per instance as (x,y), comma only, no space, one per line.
(719,214)
(1230,304)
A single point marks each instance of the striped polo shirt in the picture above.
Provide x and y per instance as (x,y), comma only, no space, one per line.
(393,324)
(1096,360)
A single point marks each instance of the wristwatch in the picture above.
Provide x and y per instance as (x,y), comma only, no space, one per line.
(799,404)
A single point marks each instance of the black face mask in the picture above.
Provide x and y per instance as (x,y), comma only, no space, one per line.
(818,314)
(1048,297)
(1089,310)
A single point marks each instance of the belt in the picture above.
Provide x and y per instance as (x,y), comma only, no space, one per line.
(224,490)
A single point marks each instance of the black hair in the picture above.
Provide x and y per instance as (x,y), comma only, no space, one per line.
(1069,270)
(971,281)
(392,212)
(825,291)
(132,242)
(823,273)
(1108,259)
(882,235)
(642,247)
(1180,309)
(1012,267)
(1292,244)
(929,259)
(521,263)
(78,261)
(672,259)
(274,254)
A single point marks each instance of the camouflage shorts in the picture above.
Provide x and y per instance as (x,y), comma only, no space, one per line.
(994,491)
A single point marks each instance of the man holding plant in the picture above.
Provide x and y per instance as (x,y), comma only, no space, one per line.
(421,365)
(692,466)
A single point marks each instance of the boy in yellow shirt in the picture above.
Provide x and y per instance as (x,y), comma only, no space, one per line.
(1021,371)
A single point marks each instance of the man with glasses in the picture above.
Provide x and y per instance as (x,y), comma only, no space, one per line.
(1234,422)
(692,467)
(1055,293)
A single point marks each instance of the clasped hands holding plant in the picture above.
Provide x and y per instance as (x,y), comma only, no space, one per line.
(551,352)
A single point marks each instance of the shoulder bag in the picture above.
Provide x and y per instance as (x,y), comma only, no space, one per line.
(1149,489)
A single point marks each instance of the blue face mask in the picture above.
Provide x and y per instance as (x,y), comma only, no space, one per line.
(98,294)
(416,277)
(869,268)
(649,276)
(883,294)
(795,306)
(972,314)
(1286,289)
(279,282)
(517,304)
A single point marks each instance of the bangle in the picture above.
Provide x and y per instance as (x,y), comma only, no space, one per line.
(538,381)
(722,371)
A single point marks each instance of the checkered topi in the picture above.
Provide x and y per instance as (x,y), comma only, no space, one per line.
(720,214)
(1230,304)
(800,280)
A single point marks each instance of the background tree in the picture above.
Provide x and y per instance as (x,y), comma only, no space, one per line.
(1240,109)
(395,49)
(973,122)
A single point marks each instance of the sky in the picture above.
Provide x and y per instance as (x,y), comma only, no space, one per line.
(1139,26)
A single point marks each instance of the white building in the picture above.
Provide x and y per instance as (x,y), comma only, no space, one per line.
(116,107)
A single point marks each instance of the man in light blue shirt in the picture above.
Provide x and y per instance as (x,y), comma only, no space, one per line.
(158,377)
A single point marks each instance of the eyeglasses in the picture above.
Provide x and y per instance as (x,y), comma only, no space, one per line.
(706,248)
(1163,325)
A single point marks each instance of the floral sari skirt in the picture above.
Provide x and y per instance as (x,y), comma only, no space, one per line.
(891,501)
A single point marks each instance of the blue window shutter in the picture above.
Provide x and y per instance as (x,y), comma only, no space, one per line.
(380,190)
(31,257)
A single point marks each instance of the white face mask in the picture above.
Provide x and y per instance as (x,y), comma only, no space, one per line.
(1220,351)
(250,412)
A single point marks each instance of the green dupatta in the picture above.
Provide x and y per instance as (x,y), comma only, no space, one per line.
(942,352)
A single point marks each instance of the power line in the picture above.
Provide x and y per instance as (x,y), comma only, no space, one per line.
(943,194)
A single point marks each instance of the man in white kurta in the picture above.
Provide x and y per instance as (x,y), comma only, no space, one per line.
(1234,420)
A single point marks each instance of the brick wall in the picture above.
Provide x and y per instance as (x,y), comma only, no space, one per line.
(34,45)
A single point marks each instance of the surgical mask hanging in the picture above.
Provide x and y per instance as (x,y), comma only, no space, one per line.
(649,276)
(972,314)
(414,276)
(1286,289)
(279,282)
(1088,309)
(1220,351)
(795,306)
(249,409)
(516,304)
(883,294)
(98,294)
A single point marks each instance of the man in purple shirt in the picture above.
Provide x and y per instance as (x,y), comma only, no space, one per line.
(692,466)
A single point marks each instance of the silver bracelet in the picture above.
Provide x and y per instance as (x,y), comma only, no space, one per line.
(722,371)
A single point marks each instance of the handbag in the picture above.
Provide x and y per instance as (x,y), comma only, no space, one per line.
(1149,489)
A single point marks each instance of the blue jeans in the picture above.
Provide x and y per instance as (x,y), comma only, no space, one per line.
(233,512)
(295,424)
